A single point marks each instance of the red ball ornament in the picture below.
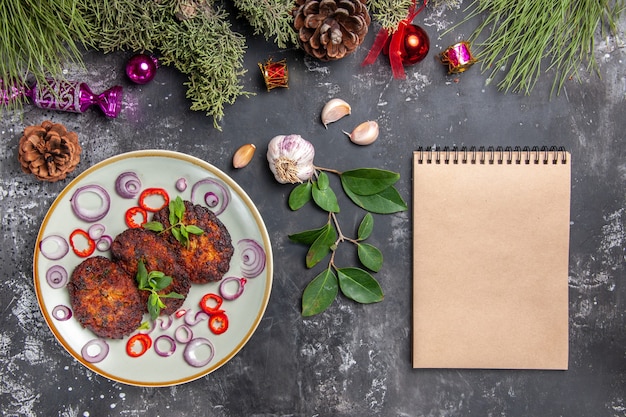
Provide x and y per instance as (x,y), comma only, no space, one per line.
(141,68)
(415,45)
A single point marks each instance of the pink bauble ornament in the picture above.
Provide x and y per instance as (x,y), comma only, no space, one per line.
(141,68)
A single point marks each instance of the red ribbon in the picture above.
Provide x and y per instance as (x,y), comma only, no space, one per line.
(395,45)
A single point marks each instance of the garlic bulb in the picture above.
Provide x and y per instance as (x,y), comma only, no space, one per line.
(334,110)
(291,158)
(365,133)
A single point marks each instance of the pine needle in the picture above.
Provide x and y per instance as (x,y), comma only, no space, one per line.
(523,36)
(39,38)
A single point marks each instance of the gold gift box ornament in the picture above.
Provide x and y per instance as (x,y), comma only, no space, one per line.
(275,74)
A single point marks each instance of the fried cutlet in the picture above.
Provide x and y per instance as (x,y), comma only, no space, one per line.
(208,256)
(133,245)
(105,298)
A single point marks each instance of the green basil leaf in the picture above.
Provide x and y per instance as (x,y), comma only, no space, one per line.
(176,233)
(161,282)
(368,181)
(322,181)
(300,195)
(366,227)
(177,208)
(385,202)
(142,275)
(308,236)
(321,246)
(325,199)
(194,230)
(153,305)
(161,303)
(370,256)
(359,285)
(173,294)
(183,231)
(154,226)
(320,293)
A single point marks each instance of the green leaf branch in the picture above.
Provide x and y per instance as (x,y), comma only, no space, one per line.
(371,189)
(178,228)
(154,281)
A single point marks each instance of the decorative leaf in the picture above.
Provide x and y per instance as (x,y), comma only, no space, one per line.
(177,235)
(366,227)
(173,295)
(142,275)
(320,293)
(308,236)
(300,195)
(322,181)
(385,202)
(194,230)
(325,198)
(368,181)
(160,282)
(370,256)
(359,285)
(153,306)
(154,226)
(321,247)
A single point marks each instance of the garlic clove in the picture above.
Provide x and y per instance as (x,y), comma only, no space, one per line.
(334,110)
(365,133)
(243,155)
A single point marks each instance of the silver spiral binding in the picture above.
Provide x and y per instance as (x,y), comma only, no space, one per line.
(492,155)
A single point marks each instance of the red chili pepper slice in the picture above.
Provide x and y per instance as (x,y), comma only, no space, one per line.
(218,322)
(130,217)
(150,192)
(141,341)
(91,244)
(211,303)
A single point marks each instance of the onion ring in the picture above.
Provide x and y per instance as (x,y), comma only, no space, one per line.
(128,184)
(191,352)
(57,276)
(228,295)
(61,312)
(87,214)
(103,350)
(104,243)
(165,322)
(96,231)
(193,319)
(216,197)
(183,334)
(167,339)
(60,247)
(252,258)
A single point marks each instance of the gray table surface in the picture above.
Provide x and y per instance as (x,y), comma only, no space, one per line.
(353,359)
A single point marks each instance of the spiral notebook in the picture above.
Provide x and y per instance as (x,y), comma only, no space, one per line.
(490,258)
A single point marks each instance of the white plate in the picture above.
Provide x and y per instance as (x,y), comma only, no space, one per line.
(243,221)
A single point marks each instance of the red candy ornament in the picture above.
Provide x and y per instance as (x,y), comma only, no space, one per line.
(141,68)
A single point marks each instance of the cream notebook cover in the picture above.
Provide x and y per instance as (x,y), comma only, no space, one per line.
(490,258)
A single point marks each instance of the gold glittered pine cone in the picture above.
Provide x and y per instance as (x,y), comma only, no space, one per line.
(49,151)
(331,29)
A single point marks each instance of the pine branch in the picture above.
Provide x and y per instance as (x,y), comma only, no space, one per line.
(271,18)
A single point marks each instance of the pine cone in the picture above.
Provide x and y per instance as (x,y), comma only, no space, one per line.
(331,29)
(49,151)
